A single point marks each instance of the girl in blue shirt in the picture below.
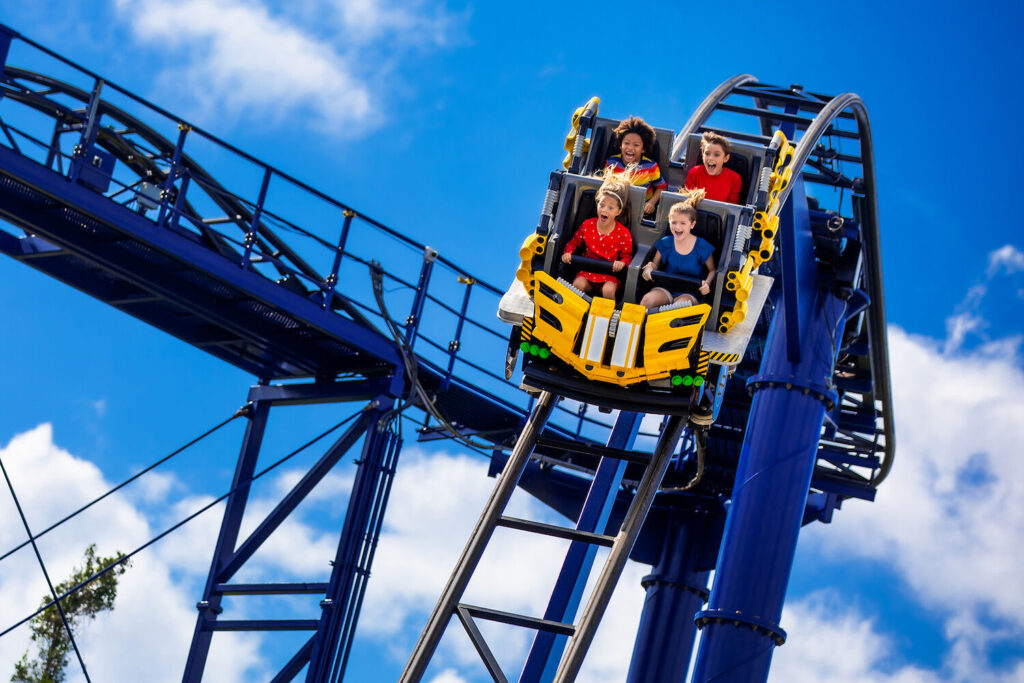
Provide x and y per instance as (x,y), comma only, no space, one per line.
(681,253)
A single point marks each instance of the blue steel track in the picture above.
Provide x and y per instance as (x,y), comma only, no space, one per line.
(114,196)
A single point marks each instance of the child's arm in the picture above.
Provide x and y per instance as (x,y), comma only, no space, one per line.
(625,250)
(705,286)
(652,203)
(577,238)
(651,265)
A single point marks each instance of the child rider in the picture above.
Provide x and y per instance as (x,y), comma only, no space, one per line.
(721,184)
(604,238)
(636,138)
(682,253)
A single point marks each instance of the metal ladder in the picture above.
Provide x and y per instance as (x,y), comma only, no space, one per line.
(580,635)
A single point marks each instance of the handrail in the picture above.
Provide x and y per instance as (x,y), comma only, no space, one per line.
(248,157)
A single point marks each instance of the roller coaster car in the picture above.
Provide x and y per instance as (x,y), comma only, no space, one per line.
(615,353)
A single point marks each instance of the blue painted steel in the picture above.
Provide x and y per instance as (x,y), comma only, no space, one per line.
(456,342)
(332,279)
(201,258)
(291,500)
(254,224)
(83,150)
(676,589)
(290,670)
(363,520)
(546,651)
(210,606)
(343,593)
(774,472)
(413,322)
(172,175)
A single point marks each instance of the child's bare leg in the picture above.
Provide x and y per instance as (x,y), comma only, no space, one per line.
(608,289)
(687,299)
(581,283)
(655,298)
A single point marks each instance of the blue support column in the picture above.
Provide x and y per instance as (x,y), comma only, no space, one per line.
(676,590)
(741,625)
(542,662)
(210,606)
(359,535)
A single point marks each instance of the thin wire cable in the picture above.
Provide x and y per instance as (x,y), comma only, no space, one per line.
(183,522)
(42,566)
(121,485)
(409,361)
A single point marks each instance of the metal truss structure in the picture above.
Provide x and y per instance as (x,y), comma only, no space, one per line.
(157,218)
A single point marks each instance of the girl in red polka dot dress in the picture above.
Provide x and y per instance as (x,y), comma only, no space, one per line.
(604,238)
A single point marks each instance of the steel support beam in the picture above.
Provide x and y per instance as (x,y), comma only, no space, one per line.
(363,519)
(210,606)
(676,590)
(741,624)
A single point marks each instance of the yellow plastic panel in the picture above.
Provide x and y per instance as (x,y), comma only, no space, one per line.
(558,314)
(660,331)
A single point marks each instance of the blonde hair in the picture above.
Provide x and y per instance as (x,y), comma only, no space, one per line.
(688,207)
(615,185)
(712,138)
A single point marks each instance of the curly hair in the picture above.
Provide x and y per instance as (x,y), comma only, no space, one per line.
(688,207)
(635,124)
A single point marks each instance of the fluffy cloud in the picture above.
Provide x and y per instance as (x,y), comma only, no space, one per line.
(838,644)
(948,519)
(243,59)
(152,598)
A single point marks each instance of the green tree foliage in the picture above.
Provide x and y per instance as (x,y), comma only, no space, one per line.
(48,632)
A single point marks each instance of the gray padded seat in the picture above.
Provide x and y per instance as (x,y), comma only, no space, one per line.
(577,203)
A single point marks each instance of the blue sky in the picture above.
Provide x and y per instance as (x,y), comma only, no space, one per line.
(443,121)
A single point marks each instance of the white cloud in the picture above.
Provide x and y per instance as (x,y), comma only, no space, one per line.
(415,21)
(993,297)
(318,61)
(50,482)
(237,57)
(1006,259)
(836,643)
(950,517)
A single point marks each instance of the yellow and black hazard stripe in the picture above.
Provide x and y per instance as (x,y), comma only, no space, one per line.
(723,358)
(702,363)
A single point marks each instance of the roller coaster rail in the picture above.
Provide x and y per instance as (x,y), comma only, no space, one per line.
(162,220)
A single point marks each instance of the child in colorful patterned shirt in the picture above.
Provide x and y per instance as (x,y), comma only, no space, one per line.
(604,238)
(636,138)
(721,184)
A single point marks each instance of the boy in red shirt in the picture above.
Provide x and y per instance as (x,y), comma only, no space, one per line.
(604,237)
(720,183)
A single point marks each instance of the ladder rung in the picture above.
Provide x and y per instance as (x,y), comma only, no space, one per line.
(558,445)
(270,588)
(265,625)
(557,531)
(555,627)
